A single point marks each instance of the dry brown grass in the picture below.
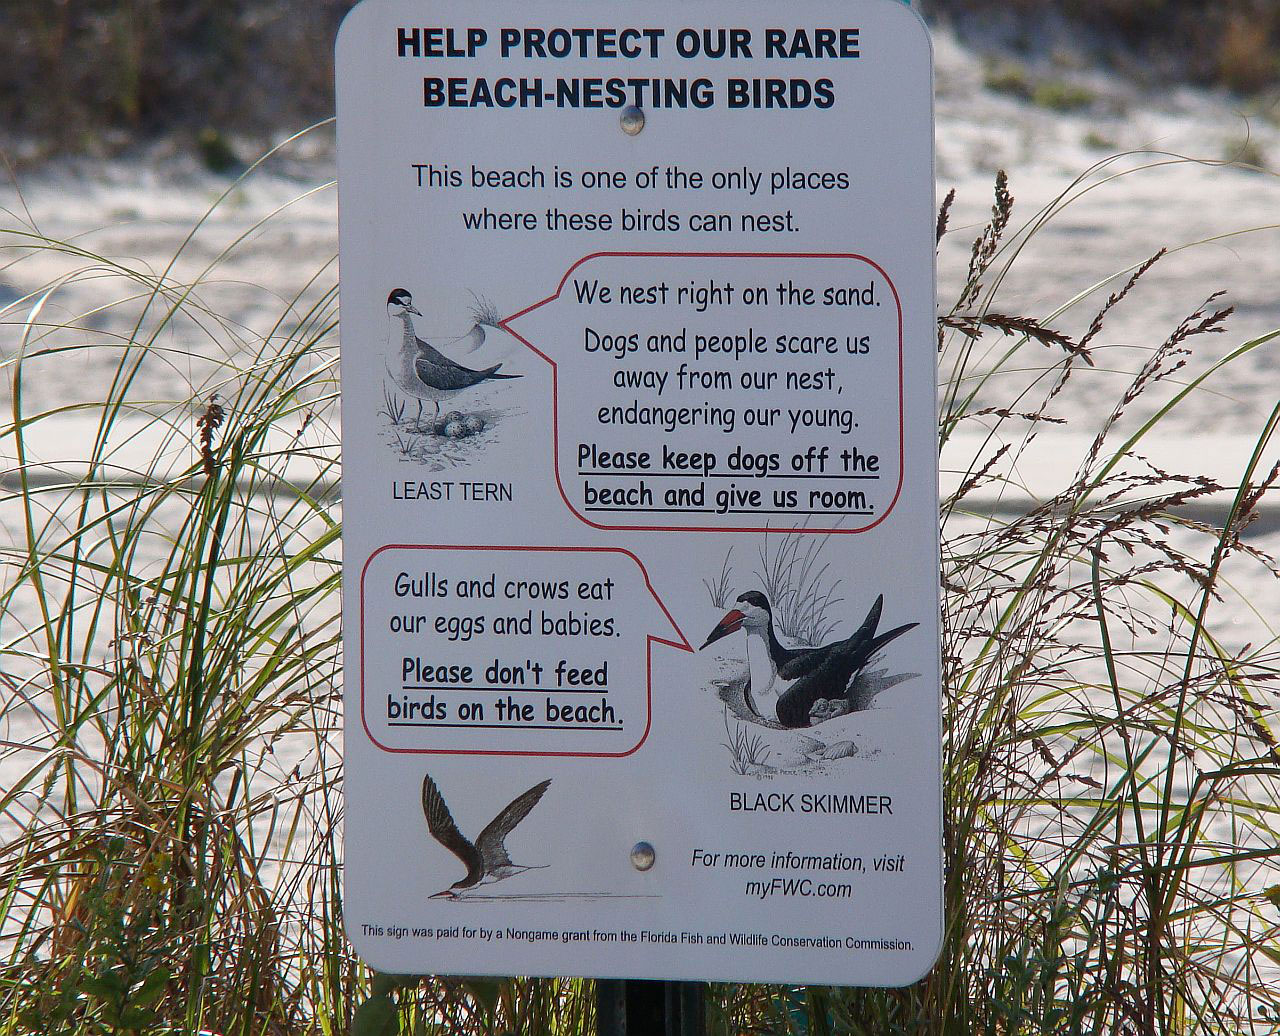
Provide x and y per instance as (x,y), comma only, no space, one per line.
(1231,43)
(1248,60)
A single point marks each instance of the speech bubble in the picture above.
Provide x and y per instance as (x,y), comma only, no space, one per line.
(724,392)
(509,650)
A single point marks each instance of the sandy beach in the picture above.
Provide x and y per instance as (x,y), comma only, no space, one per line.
(268,247)
(250,267)
(1137,172)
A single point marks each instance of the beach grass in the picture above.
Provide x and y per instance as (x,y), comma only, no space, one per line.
(170,692)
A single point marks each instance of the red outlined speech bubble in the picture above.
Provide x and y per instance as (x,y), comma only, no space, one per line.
(729,392)
(509,650)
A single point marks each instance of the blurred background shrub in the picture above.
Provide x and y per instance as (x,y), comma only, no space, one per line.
(92,75)
(95,75)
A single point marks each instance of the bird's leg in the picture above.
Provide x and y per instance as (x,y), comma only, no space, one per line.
(418,423)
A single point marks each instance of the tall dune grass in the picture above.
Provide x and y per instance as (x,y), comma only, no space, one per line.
(170,690)
(170,660)
(1111,767)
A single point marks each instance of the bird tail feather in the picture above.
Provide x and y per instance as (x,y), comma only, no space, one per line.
(878,642)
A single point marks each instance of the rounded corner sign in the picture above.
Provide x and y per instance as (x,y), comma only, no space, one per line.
(640,490)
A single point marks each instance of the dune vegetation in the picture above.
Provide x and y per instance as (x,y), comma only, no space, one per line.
(170,691)
(205,72)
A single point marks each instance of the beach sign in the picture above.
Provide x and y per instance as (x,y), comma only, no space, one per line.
(640,507)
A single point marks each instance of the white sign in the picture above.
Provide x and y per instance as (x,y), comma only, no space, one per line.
(640,490)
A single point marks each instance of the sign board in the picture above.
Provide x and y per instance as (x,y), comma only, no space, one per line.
(640,491)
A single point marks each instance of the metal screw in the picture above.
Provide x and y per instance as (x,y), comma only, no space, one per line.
(642,856)
(631,120)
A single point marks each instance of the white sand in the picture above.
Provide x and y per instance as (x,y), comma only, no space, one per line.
(1222,223)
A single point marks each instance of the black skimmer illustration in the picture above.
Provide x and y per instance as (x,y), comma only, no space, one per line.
(787,683)
(486,859)
(421,370)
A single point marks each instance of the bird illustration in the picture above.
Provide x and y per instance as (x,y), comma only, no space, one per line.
(787,684)
(486,859)
(420,369)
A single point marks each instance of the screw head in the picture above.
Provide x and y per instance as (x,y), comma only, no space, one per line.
(642,856)
(631,120)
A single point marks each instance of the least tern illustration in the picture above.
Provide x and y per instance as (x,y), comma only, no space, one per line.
(486,859)
(420,369)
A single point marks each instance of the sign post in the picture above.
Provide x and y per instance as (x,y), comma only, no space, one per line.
(640,490)
(644,1006)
